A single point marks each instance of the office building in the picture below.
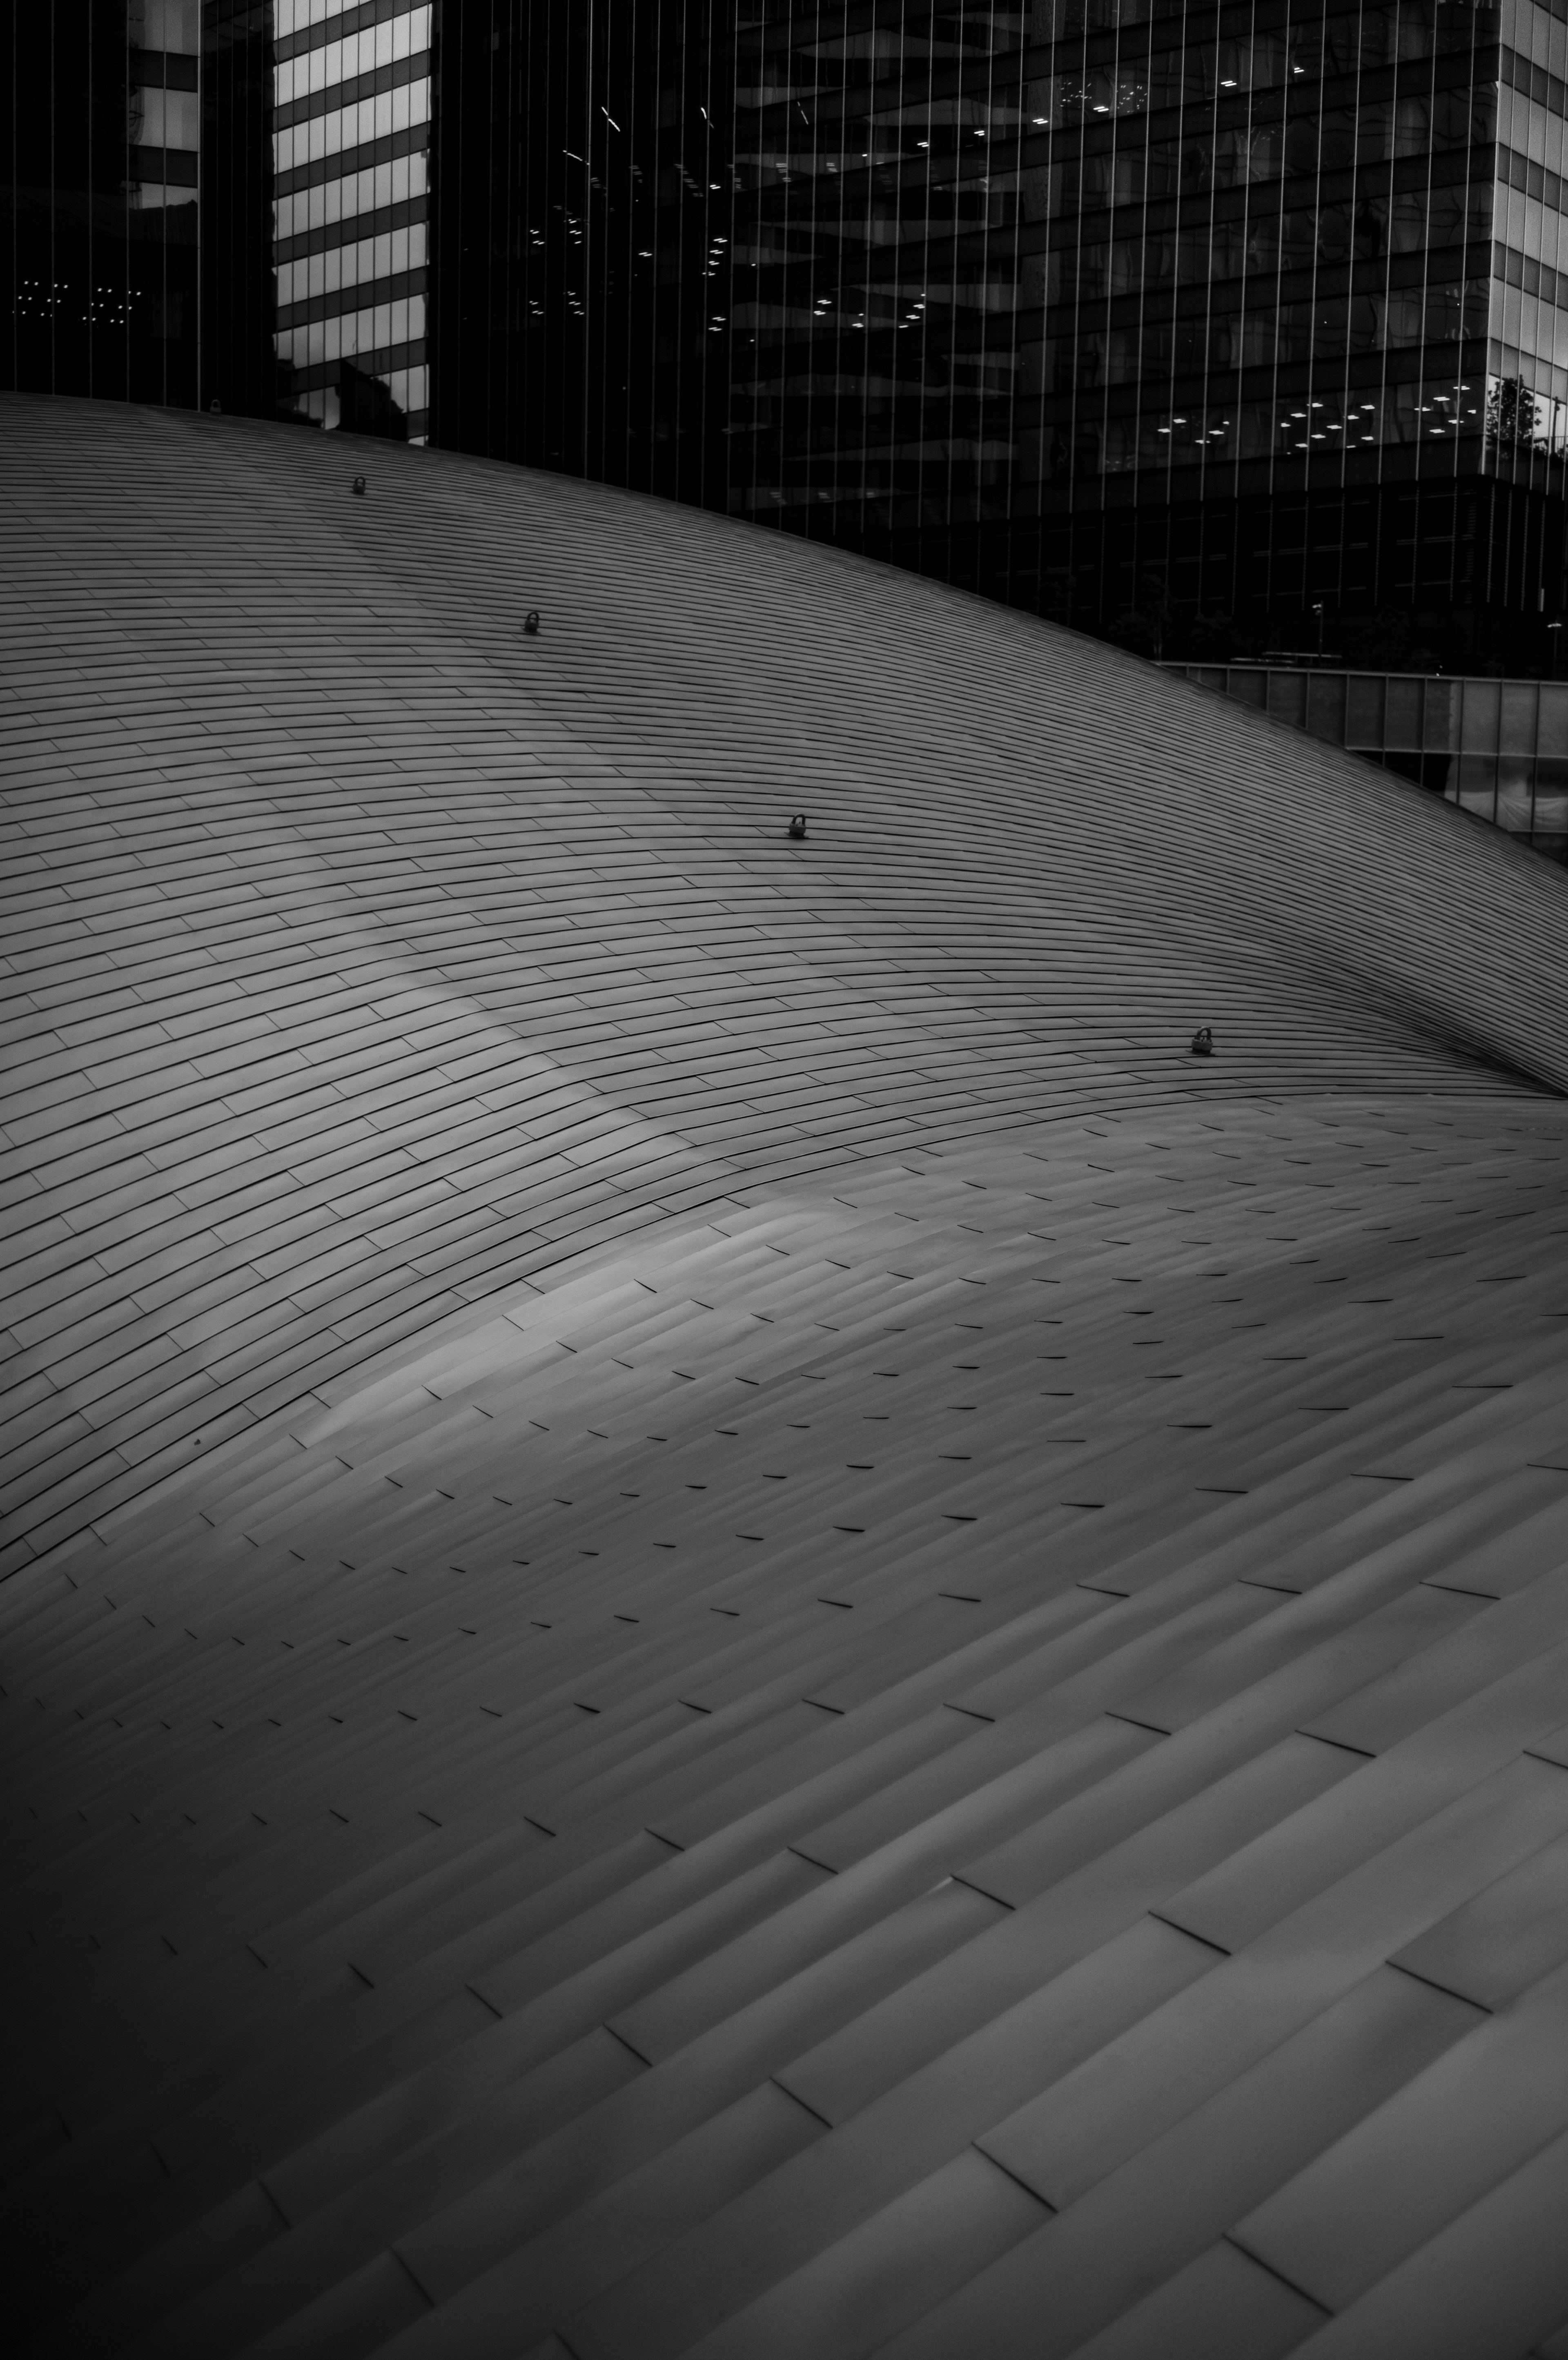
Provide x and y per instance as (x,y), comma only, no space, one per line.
(351,145)
(1110,309)
(100,200)
(1227,328)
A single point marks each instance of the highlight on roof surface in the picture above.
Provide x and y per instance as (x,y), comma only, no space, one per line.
(516,1842)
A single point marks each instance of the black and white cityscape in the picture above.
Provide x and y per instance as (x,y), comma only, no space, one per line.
(669,667)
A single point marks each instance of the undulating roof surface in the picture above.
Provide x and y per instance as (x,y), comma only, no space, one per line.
(514,1842)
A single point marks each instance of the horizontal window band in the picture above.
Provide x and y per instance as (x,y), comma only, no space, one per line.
(1533,82)
(314,375)
(379,78)
(161,70)
(350,229)
(336,28)
(1289,194)
(367,295)
(175,167)
(1535,277)
(1265,291)
(1433,363)
(349,160)
(1535,181)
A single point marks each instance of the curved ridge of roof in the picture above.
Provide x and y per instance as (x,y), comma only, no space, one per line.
(516,1845)
(320,865)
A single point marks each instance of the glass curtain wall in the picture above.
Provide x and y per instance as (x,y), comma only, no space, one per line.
(1261,294)
(1269,251)
(240,369)
(100,244)
(1527,411)
(351,142)
(1266,300)
(1498,747)
(755,253)
(873,285)
(583,234)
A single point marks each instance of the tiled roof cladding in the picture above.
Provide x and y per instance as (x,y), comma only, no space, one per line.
(669,1687)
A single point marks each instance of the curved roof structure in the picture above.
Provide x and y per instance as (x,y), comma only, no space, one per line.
(517,1845)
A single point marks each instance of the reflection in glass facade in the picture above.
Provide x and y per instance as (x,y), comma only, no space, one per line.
(1498,747)
(99,244)
(1093,304)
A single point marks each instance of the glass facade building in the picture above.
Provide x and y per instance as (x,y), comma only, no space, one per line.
(351,194)
(1092,304)
(220,200)
(1127,310)
(100,211)
(1497,747)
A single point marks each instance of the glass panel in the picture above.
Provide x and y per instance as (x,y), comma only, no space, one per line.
(1288,697)
(1325,706)
(170,119)
(1551,797)
(1517,735)
(167,25)
(1474,783)
(1553,738)
(1439,724)
(1363,709)
(1514,794)
(1481,704)
(1402,725)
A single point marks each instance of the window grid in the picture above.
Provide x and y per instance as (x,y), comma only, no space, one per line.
(352,106)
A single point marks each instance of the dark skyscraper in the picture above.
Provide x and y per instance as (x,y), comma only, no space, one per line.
(99,207)
(1214,326)
(1115,310)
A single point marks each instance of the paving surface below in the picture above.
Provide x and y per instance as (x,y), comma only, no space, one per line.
(736,1623)
(968,1757)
